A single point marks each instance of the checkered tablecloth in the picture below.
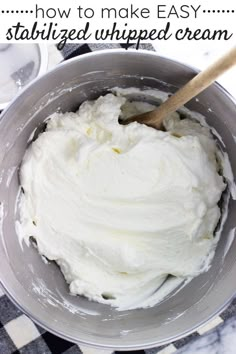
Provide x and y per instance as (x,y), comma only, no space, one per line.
(19,335)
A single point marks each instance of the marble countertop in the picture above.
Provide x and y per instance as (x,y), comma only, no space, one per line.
(221,340)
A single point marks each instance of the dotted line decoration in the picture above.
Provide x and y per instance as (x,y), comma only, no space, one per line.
(31,11)
(219,11)
(17,11)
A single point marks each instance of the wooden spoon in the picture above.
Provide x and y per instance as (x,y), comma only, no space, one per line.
(199,83)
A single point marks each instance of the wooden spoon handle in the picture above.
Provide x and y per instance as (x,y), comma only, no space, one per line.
(190,90)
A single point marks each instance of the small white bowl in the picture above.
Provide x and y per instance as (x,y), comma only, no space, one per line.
(20,64)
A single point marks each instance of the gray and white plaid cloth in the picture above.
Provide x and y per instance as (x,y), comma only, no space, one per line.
(19,335)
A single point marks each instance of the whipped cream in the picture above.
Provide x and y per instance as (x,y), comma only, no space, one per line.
(121,208)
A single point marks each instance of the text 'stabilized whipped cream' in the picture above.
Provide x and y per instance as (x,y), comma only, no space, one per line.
(120,208)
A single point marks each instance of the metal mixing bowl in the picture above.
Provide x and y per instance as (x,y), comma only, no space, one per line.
(39,289)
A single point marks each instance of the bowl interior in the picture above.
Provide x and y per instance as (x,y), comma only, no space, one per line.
(38,287)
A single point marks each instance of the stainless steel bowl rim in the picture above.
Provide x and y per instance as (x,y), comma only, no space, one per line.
(120,348)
